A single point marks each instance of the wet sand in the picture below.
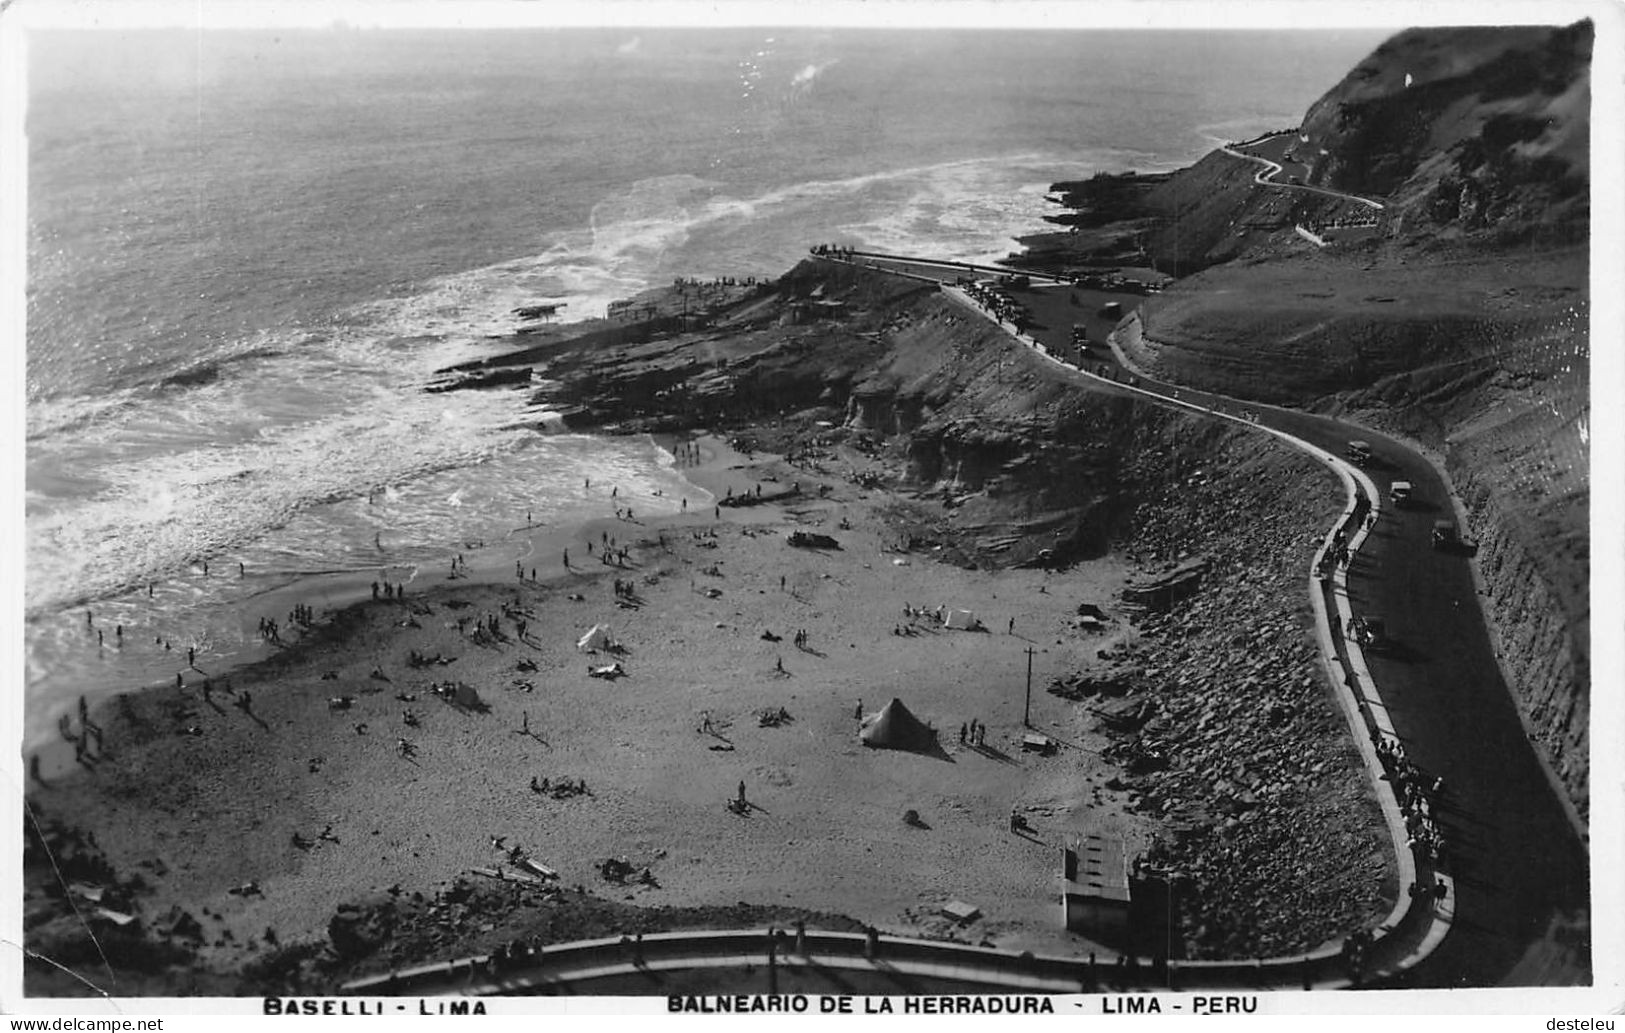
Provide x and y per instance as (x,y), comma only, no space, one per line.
(200,814)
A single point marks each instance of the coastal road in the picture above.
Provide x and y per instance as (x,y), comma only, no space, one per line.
(1275,145)
(1516,850)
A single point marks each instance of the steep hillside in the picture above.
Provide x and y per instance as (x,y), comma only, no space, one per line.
(1464,326)
(1465,130)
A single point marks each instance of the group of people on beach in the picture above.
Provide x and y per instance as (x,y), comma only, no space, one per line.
(82,754)
(396,591)
(686,452)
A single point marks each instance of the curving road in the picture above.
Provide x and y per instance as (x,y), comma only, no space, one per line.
(1517,864)
(1516,848)
(1272,169)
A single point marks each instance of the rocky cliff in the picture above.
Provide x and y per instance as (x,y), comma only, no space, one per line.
(1439,328)
(1465,130)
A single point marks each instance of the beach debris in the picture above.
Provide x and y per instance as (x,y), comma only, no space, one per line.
(417,659)
(538,868)
(86,891)
(811,540)
(118,918)
(501,875)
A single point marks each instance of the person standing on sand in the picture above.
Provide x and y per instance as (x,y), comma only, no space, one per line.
(741,792)
(375,590)
(858,713)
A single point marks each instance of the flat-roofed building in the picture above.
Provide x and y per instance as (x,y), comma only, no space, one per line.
(1095,888)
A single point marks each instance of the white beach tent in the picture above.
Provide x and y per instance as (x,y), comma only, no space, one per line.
(964,620)
(597,638)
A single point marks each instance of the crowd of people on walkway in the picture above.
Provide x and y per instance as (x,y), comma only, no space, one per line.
(1418,795)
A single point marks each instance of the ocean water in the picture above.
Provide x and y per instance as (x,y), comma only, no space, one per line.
(249,250)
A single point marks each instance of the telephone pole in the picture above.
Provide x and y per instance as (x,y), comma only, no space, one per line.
(1027,711)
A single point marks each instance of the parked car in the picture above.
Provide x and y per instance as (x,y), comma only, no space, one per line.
(1444,534)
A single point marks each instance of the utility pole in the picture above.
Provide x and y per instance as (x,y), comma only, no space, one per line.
(1027,711)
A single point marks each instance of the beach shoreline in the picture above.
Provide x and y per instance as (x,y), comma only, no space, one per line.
(287,764)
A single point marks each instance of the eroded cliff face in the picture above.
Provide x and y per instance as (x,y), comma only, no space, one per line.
(1440,329)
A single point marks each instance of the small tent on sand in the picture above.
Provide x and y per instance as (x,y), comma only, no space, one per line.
(467,697)
(597,638)
(894,727)
(963,620)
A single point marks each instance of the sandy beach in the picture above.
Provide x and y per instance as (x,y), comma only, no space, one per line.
(377,802)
